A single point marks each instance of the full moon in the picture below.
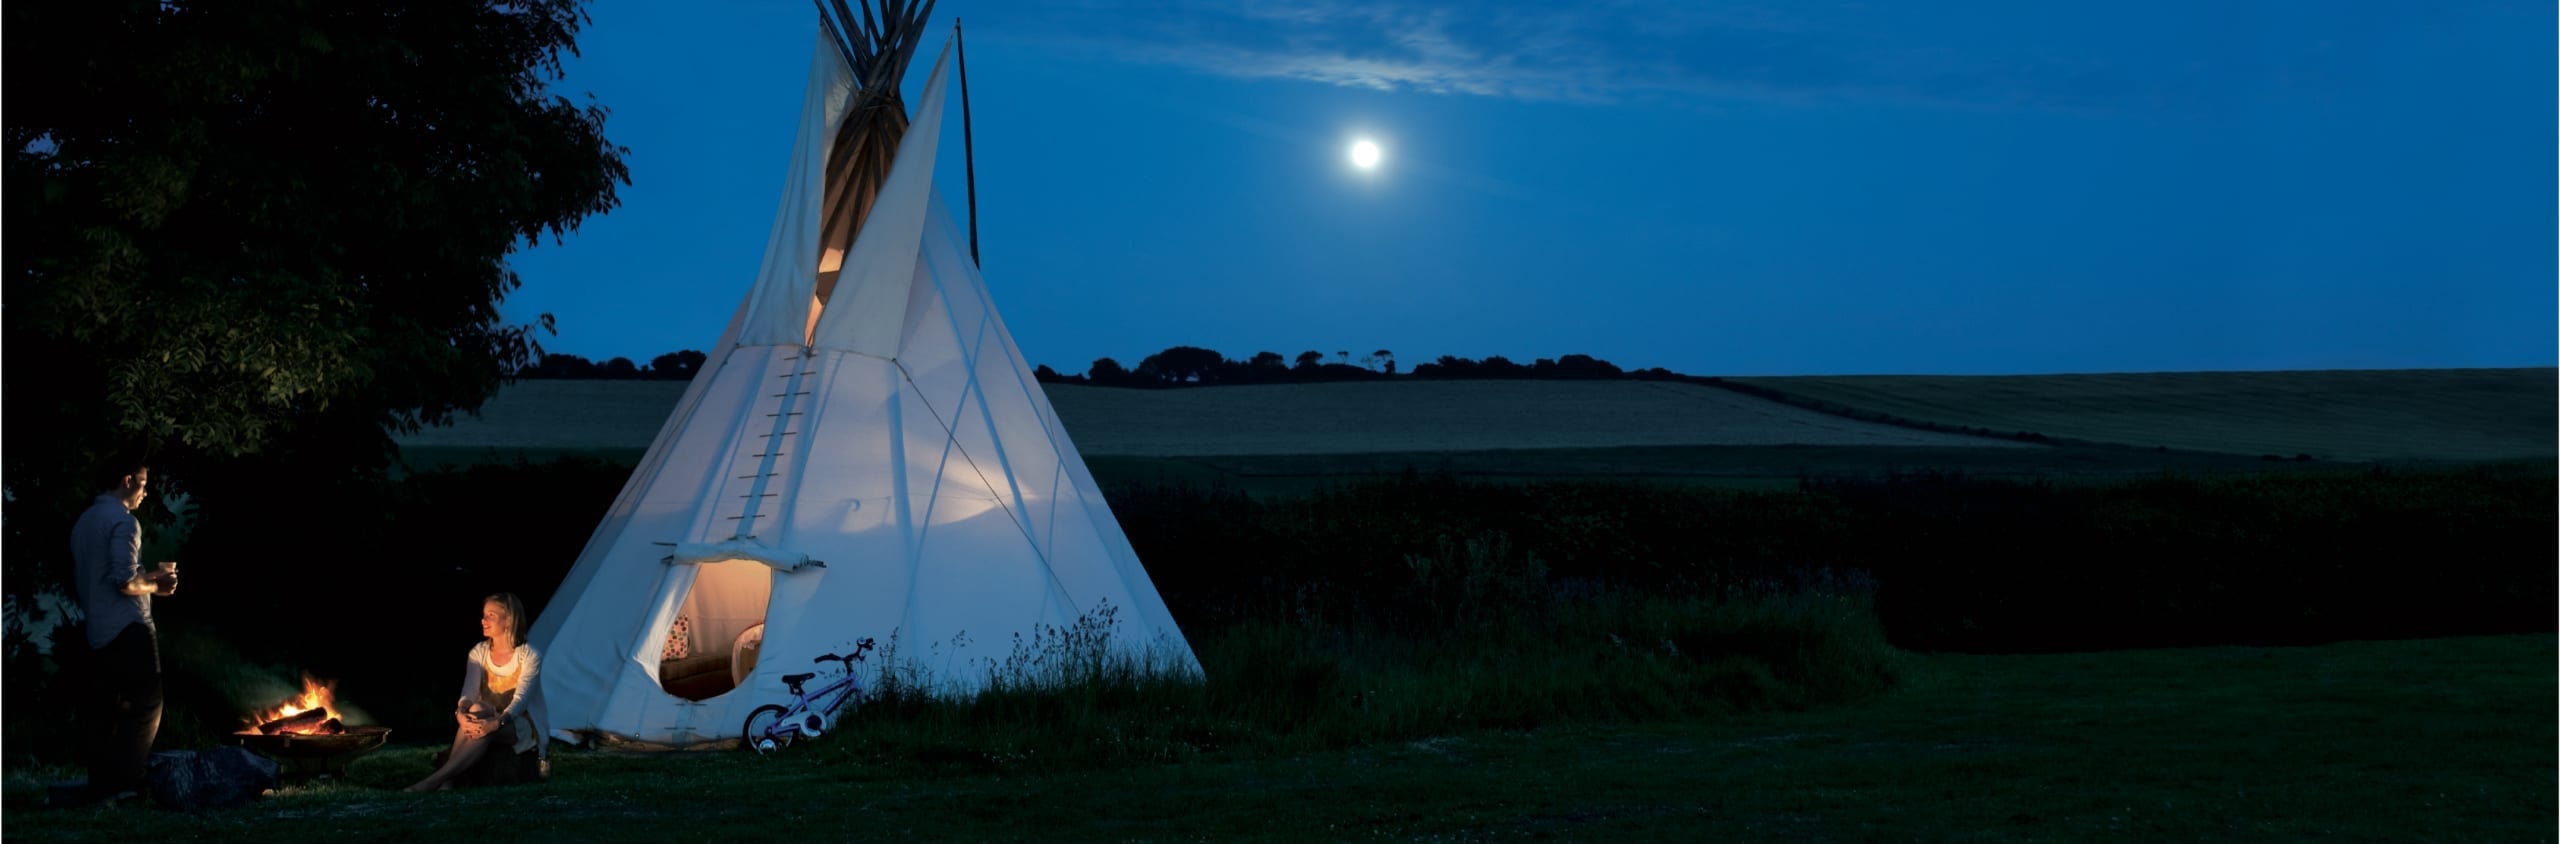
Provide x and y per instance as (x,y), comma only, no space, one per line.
(1364,155)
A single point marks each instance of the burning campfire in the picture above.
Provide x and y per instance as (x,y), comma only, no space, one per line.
(306,736)
(310,714)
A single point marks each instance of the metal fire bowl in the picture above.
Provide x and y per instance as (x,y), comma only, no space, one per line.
(302,757)
(355,741)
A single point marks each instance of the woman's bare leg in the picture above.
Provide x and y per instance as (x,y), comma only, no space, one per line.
(465,752)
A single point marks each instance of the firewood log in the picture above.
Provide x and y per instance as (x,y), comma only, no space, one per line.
(297,722)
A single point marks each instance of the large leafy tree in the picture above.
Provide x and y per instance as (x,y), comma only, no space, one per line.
(227,217)
(240,227)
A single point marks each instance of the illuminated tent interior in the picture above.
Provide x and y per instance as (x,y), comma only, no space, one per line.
(864,455)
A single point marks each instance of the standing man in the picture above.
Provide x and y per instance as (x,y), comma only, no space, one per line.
(115,595)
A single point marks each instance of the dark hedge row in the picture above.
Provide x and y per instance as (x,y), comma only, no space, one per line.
(1958,564)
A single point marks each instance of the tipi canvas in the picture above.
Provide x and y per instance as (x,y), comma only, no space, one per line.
(865,455)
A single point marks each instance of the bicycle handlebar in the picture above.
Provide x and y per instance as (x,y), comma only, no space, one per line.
(859,649)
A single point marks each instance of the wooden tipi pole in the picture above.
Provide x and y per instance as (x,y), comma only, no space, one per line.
(968,145)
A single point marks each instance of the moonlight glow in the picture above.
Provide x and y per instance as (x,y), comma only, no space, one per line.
(1364,155)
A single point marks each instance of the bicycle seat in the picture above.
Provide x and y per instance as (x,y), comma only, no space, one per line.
(794,680)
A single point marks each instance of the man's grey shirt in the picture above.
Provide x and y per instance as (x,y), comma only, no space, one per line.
(106,553)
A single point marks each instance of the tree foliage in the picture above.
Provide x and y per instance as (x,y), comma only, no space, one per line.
(1184,365)
(677,365)
(1108,372)
(1192,366)
(229,219)
(273,231)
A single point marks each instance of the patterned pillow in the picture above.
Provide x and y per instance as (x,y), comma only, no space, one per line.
(679,640)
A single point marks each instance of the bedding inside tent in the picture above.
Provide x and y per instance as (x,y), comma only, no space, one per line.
(719,625)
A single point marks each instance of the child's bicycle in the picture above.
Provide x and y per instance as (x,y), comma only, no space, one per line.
(775,726)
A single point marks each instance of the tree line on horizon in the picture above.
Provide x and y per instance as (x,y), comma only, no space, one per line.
(1179,366)
(673,366)
(1193,366)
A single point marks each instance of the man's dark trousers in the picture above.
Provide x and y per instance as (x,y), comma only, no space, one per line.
(125,684)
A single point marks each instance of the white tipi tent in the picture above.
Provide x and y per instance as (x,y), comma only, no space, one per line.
(864,455)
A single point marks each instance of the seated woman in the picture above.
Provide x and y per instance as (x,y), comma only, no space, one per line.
(497,743)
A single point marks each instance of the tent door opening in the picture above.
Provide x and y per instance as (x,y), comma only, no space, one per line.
(718,630)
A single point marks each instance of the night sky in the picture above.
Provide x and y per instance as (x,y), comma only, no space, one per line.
(1714,188)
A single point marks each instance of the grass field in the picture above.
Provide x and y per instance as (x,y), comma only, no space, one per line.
(1420,416)
(1729,467)
(2427,415)
(1738,467)
(560,415)
(1338,418)
(1290,437)
(2446,739)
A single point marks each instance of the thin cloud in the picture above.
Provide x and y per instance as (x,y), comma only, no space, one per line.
(1602,52)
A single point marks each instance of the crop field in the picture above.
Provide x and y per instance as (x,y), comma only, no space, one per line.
(1370,417)
(561,415)
(1289,435)
(1738,467)
(1339,418)
(2361,415)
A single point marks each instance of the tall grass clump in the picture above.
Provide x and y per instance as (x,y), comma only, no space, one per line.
(1496,657)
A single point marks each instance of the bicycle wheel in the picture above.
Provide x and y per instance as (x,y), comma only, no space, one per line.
(761,733)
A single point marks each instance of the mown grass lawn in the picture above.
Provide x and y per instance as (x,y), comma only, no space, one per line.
(2446,739)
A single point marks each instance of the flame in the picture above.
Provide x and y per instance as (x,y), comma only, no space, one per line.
(316,694)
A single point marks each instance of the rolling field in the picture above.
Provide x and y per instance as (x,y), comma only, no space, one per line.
(1736,467)
(2358,415)
(1424,416)
(1290,435)
(601,415)
(1341,418)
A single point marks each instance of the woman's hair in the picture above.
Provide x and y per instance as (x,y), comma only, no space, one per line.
(515,613)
